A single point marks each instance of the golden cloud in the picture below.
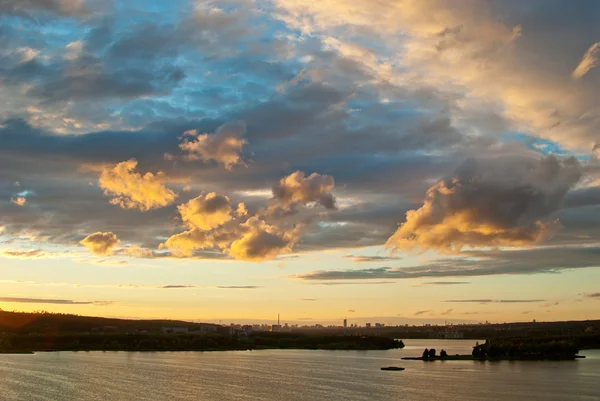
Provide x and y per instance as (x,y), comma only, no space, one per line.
(132,190)
(589,61)
(206,212)
(19,201)
(100,243)
(213,224)
(298,189)
(224,146)
(185,243)
(498,202)
(261,241)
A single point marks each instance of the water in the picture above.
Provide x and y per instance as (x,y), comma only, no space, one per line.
(293,375)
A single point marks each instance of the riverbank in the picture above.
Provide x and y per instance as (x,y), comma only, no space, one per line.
(189,342)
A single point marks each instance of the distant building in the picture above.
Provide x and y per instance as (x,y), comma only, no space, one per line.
(275,328)
(345,323)
(175,330)
(368,325)
(379,325)
(208,329)
(449,333)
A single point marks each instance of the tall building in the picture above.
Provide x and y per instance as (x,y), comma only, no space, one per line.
(345,323)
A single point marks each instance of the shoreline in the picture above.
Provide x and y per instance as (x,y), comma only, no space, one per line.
(192,350)
(472,358)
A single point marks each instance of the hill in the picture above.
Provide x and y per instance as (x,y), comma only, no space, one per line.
(44,322)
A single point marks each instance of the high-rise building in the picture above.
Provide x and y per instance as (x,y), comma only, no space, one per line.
(345,323)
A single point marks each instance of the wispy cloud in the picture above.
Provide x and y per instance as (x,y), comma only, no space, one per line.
(353,283)
(595,295)
(447,312)
(366,259)
(173,286)
(589,61)
(54,301)
(308,299)
(447,282)
(31,254)
(491,301)
(239,287)
(421,312)
(475,263)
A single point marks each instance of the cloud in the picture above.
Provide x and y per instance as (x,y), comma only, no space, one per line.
(60,7)
(261,241)
(100,243)
(308,299)
(213,225)
(421,312)
(593,295)
(54,301)
(589,61)
(106,262)
(351,310)
(206,212)
(238,287)
(171,286)
(476,52)
(349,282)
(387,117)
(224,146)
(447,312)
(477,263)
(185,243)
(447,283)
(205,216)
(137,251)
(501,301)
(365,259)
(131,190)
(34,253)
(505,201)
(19,201)
(298,189)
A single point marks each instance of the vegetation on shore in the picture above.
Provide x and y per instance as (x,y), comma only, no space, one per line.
(511,349)
(17,343)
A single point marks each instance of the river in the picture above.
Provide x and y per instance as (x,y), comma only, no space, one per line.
(293,375)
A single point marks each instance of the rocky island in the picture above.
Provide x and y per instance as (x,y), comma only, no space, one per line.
(511,349)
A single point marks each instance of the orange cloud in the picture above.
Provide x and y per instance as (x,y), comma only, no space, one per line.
(206,212)
(261,241)
(100,243)
(185,243)
(224,146)
(19,201)
(132,190)
(296,188)
(498,202)
(213,224)
(589,61)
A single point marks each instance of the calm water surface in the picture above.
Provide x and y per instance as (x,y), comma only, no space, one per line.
(293,375)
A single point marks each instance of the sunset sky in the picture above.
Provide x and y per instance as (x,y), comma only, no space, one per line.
(399,161)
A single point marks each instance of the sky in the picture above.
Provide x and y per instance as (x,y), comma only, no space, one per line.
(401,161)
